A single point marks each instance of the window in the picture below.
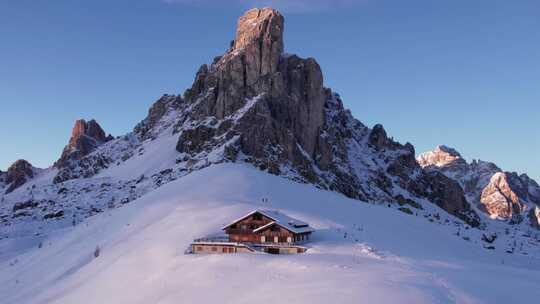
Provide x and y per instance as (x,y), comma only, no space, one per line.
(276,240)
(243,227)
(231,250)
(224,249)
(289,240)
(257,217)
(214,248)
(199,248)
(263,239)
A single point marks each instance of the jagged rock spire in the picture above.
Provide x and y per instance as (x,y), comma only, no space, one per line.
(85,138)
(86,129)
(259,34)
(290,87)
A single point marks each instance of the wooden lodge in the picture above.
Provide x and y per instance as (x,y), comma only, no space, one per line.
(260,230)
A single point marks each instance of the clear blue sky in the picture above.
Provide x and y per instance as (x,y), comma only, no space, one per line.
(462,73)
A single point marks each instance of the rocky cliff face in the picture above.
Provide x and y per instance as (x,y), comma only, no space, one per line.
(257,104)
(17,175)
(86,137)
(500,194)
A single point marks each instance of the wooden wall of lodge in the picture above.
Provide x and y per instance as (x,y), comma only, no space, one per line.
(228,249)
(217,248)
(243,232)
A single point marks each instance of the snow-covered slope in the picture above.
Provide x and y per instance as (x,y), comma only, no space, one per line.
(360,252)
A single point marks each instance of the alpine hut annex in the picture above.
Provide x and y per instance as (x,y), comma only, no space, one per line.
(260,230)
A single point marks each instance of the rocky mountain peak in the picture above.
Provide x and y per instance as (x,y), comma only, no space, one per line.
(288,90)
(262,106)
(499,194)
(259,41)
(440,156)
(85,138)
(264,26)
(86,129)
(18,174)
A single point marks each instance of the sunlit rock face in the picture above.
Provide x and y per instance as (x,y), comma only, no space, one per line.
(440,157)
(499,199)
(85,138)
(499,194)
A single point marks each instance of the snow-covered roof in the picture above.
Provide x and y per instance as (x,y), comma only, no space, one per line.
(283,220)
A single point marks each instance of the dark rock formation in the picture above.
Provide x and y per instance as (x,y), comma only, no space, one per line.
(448,194)
(54,215)
(156,112)
(2,179)
(77,159)
(85,138)
(378,138)
(18,174)
(272,110)
(534,217)
(25,205)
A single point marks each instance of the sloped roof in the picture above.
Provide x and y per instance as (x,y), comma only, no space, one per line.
(283,220)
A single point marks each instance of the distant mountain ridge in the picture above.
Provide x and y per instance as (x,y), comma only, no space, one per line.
(499,194)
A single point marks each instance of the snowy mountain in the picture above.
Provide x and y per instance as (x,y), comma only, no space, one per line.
(499,194)
(255,104)
(259,123)
(359,253)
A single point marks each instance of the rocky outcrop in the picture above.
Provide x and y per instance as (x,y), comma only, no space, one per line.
(148,128)
(500,194)
(77,159)
(534,217)
(448,194)
(2,179)
(85,138)
(257,104)
(18,174)
(498,199)
(283,96)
